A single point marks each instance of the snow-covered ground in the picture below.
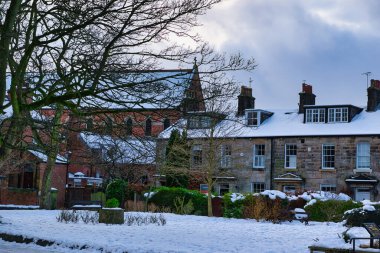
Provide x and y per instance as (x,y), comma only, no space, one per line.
(181,234)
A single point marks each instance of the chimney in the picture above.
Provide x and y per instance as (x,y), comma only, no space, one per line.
(306,97)
(373,96)
(245,100)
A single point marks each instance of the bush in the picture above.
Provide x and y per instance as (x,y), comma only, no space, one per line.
(139,220)
(73,216)
(358,216)
(232,209)
(117,189)
(330,210)
(112,203)
(165,198)
(262,207)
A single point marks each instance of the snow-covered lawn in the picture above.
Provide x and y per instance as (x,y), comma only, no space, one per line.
(181,234)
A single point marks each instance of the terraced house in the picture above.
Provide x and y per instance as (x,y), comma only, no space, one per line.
(334,148)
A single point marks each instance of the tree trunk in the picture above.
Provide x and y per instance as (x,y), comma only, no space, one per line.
(52,152)
(209,203)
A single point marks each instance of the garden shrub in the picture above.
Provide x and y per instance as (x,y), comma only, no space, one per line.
(330,210)
(358,216)
(165,198)
(112,203)
(232,209)
(249,207)
(117,189)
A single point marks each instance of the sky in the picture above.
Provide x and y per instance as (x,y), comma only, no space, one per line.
(328,43)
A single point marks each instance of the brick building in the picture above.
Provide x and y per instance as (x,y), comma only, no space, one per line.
(333,148)
(134,117)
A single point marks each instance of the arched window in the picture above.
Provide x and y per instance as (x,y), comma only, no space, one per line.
(148,127)
(129,126)
(166,123)
(89,124)
(109,125)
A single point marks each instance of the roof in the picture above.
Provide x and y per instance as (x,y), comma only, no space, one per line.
(42,156)
(122,151)
(285,123)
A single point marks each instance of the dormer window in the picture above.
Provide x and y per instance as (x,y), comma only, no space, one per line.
(338,115)
(315,115)
(198,121)
(253,118)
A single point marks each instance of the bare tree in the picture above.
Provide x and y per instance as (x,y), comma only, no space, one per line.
(79,54)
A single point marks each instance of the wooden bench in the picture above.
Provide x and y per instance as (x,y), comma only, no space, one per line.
(91,205)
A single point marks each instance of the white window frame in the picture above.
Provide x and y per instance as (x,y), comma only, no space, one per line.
(285,188)
(363,156)
(338,115)
(250,117)
(315,115)
(258,160)
(291,158)
(321,186)
(226,156)
(325,155)
(261,187)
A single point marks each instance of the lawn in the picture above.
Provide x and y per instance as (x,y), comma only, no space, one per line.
(182,233)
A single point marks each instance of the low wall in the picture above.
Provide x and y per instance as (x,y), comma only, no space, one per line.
(18,196)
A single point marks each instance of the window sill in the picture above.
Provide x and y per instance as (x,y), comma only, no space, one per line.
(328,170)
(291,169)
(362,170)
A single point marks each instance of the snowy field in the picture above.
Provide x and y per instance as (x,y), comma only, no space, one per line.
(180,234)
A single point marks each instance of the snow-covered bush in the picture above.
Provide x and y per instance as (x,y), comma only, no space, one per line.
(233,204)
(139,220)
(367,213)
(329,210)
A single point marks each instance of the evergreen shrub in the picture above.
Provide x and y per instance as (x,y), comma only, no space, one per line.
(165,197)
(358,216)
(232,209)
(112,203)
(330,210)
(117,189)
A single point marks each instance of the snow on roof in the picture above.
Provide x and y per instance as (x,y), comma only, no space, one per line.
(60,159)
(285,123)
(122,151)
(150,90)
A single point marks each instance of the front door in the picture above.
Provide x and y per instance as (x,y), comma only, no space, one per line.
(362,194)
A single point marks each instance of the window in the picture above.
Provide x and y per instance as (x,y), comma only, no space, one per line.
(199,122)
(129,125)
(148,127)
(328,187)
(290,188)
(223,189)
(257,187)
(328,156)
(338,114)
(253,118)
(89,124)
(166,123)
(259,156)
(291,156)
(226,159)
(315,115)
(363,155)
(109,125)
(197,155)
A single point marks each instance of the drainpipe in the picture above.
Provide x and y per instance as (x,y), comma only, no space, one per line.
(272,147)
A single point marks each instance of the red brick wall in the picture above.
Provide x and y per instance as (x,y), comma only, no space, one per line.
(18,196)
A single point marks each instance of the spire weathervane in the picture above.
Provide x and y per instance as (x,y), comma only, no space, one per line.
(367,74)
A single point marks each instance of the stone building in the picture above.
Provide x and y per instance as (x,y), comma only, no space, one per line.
(334,148)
